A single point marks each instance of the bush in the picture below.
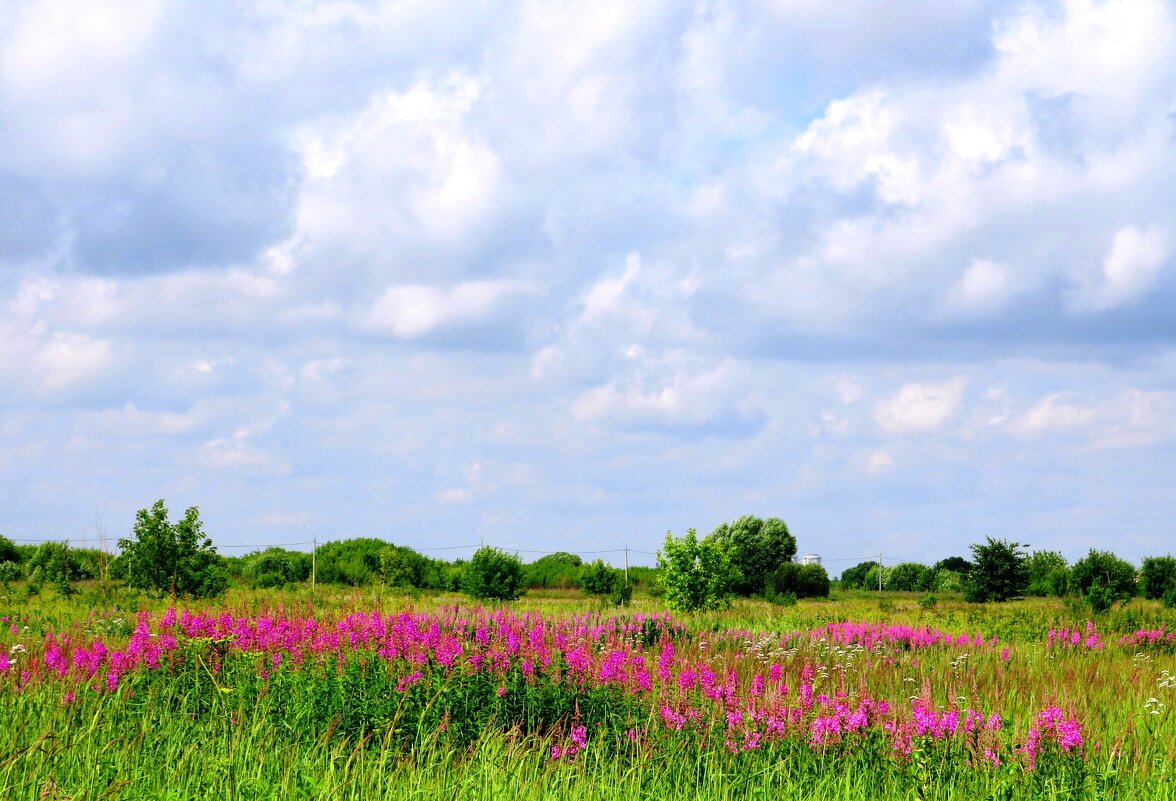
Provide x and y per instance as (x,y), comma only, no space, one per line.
(1049,574)
(1103,569)
(559,570)
(999,572)
(1157,577)
(175,559)
(801,581)
(600,579)
(909,577)
(696,575)
(494,575)
(755,547)
(9,571)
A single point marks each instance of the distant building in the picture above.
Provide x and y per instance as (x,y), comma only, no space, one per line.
(809,559)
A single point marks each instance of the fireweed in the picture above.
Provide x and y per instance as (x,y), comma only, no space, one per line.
(636,684)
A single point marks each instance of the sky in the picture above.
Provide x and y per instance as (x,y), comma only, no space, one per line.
(567,276)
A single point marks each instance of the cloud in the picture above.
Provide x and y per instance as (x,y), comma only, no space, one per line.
(878,461)
(920,407)
(1131,268)
(1052,412)
(412,311)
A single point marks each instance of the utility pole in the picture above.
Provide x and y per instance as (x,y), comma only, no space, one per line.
(313,560)
(879,572)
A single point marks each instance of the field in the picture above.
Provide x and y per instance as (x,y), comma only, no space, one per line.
(367,695)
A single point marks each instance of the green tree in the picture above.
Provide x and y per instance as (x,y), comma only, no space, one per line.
(998,573)
(1049,574)
(1102,578)
(1157,577)
(956,564)
(909,577)
(854,578)
(560,570)
(177,559)
(599,579)
(494,575)
(8,551)
(756,547)
(799,581)
(696,575)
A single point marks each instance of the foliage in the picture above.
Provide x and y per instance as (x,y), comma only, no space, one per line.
(756,548)
(949,581)
(56,562)
(9,571)
(8,551)
(177,559)
(956,564)
(1102,578)
(560,570)
(598,578)
(1049,574)
(854,578)
(354,562)
(909,577)
(401,566)
(798,581)
(275,567)
(1157,577)
(998,573)
(494,575)
(696,574)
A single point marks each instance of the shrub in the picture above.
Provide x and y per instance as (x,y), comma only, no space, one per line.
(755,548)
(1103,569)
(1157,577)
(494,575)
(696,575)
(801,581)
(172,558)
(999,572)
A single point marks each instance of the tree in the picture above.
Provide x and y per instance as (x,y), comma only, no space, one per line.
(799,581)
(494,575)
(756,547)
(696,575)
(909,577)
(999,572)
(956,564)
(559,570)
(1157,577)
(354,562)
(1049,574)
(177,559)
(8,551)
(854,578)
(1102,578)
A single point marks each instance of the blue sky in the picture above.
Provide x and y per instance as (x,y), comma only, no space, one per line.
(568,275)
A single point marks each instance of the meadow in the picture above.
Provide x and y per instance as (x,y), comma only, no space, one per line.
(367,694)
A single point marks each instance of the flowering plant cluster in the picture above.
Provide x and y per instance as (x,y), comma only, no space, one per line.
(629,684)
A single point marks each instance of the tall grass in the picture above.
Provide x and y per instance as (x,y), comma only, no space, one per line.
(212,724)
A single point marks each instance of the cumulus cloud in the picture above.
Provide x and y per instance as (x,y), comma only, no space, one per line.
(412,311)
(609,255)
(920,407)
(1130,268)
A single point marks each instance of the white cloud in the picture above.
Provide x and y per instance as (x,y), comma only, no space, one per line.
(879,461)
(414,310)
(1131,267)
(920,407)
(1050,413)
(984,287)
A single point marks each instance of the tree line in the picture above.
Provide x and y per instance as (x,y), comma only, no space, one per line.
(748,557)
(1001,570)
